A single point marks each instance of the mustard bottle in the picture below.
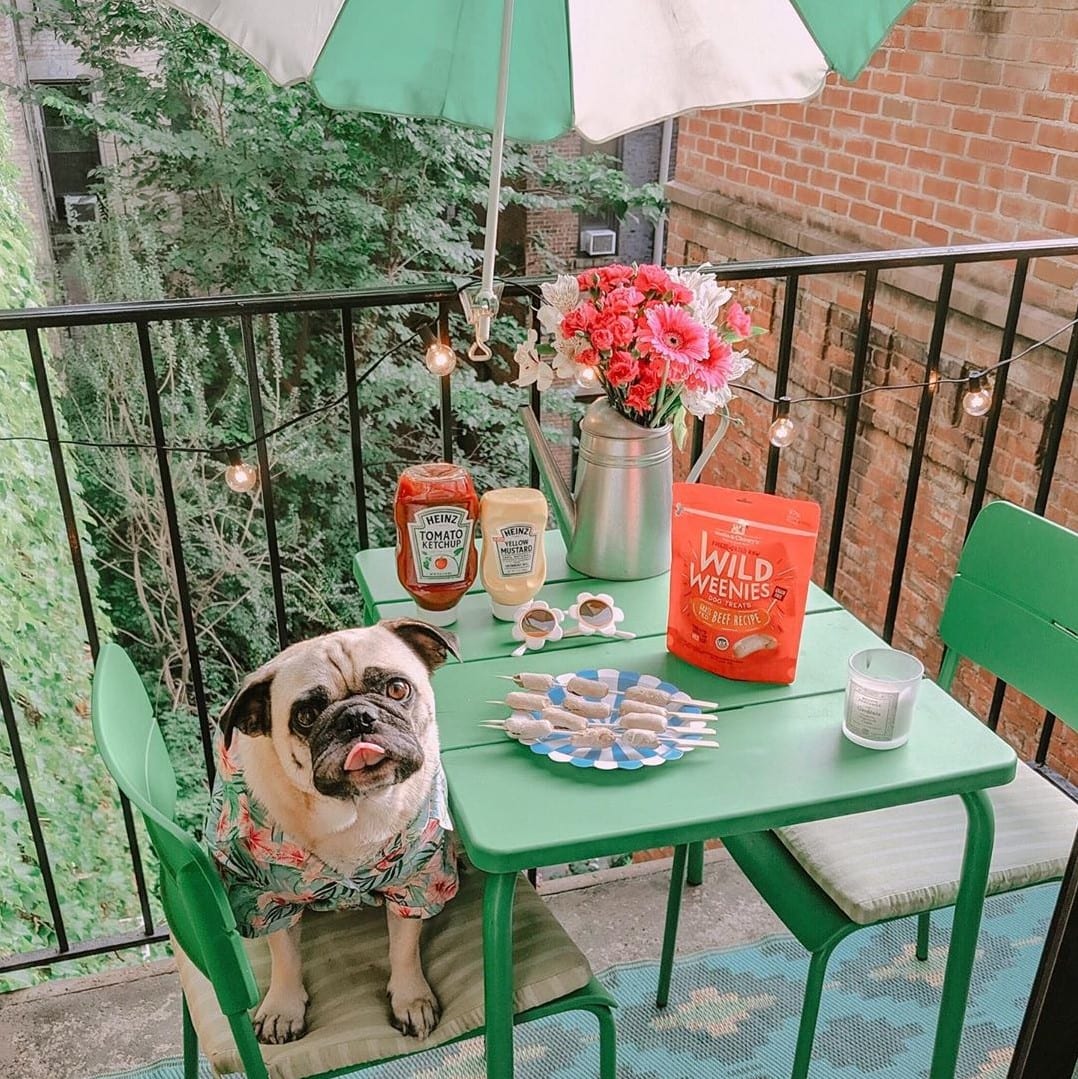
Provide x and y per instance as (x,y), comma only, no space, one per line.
(513,563)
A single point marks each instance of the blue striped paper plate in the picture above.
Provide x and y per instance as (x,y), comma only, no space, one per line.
(559,747)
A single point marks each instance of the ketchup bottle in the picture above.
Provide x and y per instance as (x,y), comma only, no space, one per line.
(435,512)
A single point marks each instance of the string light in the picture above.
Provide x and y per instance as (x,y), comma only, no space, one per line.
(977,399)
(586,378)
(440,359)
(782,430)
(241,477)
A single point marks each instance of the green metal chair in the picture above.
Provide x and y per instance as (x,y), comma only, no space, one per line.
(1013,610)
(345,954)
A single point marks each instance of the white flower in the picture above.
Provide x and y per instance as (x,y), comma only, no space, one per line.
(708,296)
(563,294)
(739,364)
(564,365)
(550,318)
(531,367)
(703,403)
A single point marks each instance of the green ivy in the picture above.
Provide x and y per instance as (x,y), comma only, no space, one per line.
(46,660)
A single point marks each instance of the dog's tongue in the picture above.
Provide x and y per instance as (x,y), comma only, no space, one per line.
(363,755)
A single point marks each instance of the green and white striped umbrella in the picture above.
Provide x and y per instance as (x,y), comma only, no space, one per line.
(539,68)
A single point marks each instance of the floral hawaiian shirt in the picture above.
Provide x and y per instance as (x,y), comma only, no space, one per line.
(270,880)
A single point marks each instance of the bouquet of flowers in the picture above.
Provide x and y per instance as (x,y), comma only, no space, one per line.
(653,340)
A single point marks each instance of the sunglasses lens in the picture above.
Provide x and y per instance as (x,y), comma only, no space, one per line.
(595,612)
(538,623)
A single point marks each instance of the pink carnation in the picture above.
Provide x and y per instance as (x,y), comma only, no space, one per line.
(652,279)
(738,320)
(622,369)
(602,338)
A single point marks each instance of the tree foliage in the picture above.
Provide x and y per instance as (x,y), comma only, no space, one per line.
(218,181)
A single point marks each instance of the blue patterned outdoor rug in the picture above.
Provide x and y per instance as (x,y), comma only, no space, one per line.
(733,1014)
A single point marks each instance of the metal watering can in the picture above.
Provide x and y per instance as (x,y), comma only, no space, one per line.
(616,524)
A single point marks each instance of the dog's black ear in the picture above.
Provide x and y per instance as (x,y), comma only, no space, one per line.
(249,709)
(432,644)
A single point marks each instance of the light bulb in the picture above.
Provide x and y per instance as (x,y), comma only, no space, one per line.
(781,433)
(241,477)
(586,378)
(440,359)
(977,399)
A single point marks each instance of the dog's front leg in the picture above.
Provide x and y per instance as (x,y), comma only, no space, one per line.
(411,1000)
(282,1015)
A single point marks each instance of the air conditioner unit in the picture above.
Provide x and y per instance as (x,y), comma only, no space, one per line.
(79,209)
(598,242)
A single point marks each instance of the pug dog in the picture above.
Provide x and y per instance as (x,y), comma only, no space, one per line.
(330,795)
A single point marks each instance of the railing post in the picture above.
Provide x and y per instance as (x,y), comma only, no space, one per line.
(917,450)
(265,481)
(355,430)
(849,431)
(446,389)
(782,371)
(179,565)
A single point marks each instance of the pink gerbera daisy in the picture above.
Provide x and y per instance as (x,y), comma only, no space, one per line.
(674,336)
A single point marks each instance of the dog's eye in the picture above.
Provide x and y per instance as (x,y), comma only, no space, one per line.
(303,719)
(397,689)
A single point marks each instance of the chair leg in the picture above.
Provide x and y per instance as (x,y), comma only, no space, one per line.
(608,1045)
(695,874)
(673,909)
(810,1011)
(190,1044)
(254,1066)
(924,923)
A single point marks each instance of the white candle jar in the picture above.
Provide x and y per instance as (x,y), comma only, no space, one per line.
(880,694)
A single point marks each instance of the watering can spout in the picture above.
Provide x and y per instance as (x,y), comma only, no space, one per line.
(560,495)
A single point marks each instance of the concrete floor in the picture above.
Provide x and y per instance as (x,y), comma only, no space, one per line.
(87,1027)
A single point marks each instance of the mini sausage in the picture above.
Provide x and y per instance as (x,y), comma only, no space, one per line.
(640,738)
(594,737)
(586,687)
(562,720)
(633,705)
(642,721)
(754,642)
(582,707)
(527,702)
(528,727)
(537,682)
(648,695)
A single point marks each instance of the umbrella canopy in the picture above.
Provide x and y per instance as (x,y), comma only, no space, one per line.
(602,67)
(540,68)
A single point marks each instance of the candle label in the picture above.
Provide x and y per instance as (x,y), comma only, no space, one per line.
(441,539)
(516,544)
(871,714)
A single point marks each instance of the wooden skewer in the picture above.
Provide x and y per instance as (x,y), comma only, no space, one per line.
(703,744)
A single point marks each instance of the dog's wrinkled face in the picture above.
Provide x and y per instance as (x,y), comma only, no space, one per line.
(349,713)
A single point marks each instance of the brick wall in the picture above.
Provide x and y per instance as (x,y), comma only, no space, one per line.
(960,131)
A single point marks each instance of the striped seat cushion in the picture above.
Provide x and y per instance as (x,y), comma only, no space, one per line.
(346,968)
(893,862)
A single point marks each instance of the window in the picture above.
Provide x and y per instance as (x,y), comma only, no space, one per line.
(601,223)
(71,153)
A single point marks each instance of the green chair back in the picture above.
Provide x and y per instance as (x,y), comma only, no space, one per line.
(1013,606)
(192,894)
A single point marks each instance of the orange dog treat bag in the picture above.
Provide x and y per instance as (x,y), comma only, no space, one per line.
(739,579)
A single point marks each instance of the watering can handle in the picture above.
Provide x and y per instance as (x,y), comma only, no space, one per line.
(712,444)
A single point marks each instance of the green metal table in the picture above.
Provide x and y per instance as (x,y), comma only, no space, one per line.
(782,760)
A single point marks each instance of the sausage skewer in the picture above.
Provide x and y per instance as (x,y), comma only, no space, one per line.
(651,740)
(584,687)
(654,695)
(645,721)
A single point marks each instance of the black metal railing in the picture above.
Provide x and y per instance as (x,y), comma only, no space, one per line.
(790,277)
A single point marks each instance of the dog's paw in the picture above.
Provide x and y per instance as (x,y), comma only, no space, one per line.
(414,1008)
(281,1019)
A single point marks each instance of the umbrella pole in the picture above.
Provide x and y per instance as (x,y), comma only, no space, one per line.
(486,303)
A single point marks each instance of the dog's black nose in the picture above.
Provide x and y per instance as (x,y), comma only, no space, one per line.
(357,720)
